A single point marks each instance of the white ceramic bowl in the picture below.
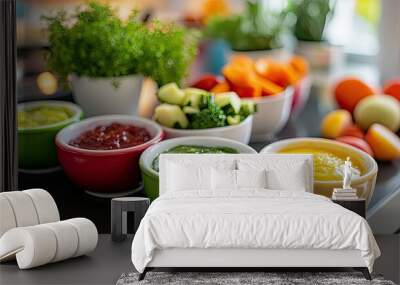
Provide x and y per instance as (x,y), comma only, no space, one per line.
(365,184)
(240,132)
(301,95)
(272,115)
(150,176)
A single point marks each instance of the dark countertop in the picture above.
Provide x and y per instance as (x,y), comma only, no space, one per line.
(72,202)
(102,266)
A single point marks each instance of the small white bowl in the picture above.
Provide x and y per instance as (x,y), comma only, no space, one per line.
(240,132)
(272,115)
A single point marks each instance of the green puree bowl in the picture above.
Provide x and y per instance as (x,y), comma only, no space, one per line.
(150,176)
(36,147)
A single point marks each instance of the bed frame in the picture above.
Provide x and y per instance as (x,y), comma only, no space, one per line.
(260,259)
(242,259)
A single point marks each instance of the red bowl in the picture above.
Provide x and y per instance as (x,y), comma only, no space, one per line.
(104,171)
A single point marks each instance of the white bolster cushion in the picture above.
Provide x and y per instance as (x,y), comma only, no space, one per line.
(26,208)
(7,218)
(45,205)
(87,235)
(40,244)
(23,208)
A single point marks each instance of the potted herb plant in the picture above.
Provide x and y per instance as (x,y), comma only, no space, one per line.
(311,19)
(257,31)
(106,58)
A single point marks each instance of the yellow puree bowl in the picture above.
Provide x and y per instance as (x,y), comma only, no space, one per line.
(325,183)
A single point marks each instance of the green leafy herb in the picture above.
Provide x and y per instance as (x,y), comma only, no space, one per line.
(311,18)
(210,117)
(258,28)
(95,42)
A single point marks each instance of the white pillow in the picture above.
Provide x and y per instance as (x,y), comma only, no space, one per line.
(181,177)
(291,174)
(226,179)
(190,171)
(251,179)
(223,179)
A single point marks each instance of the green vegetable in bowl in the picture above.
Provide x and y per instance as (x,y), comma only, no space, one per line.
(210,117)
(194,108)
(196,149)
(171,116)
(42,116)
(195,97)
(171,94)
(229,100)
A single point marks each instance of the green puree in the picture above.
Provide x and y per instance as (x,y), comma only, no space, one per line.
(194,149)
(42,116)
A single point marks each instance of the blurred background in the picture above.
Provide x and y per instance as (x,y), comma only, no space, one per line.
(352,29)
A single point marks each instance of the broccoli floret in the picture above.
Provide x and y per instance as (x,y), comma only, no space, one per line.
(210,117)
(247,109)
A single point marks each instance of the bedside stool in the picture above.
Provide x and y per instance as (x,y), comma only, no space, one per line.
(357,206)
(119,209)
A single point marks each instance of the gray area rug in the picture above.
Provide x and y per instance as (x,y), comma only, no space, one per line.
(269,278)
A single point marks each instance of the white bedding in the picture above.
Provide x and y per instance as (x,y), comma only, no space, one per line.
(252,218)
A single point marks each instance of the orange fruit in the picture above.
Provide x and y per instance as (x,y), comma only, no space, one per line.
(334,123)
(384,143)
(392,88)
(349,91)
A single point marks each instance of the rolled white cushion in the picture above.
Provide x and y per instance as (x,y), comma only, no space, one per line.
(87,235)
(45,205)
(23,208)
(7,218)
(33,246)
(40,244)
(67,239)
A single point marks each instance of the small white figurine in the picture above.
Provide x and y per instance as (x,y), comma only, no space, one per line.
(347,173)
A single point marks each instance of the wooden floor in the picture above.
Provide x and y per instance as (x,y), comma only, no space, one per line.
(110,260)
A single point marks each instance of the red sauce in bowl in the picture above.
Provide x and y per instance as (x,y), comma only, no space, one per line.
(109,137)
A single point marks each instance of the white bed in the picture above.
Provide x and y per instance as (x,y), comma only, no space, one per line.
(248,227)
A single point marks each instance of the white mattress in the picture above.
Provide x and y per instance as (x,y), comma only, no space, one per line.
(252,219)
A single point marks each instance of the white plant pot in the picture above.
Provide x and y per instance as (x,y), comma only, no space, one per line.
(280,54)
(321,55)
(99,96)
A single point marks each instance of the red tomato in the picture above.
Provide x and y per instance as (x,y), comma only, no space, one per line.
(392,88)
(206,82)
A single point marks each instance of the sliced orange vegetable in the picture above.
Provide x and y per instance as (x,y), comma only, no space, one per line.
(275,71)
(246,92)
(220,87)
(240,76)
(350,90)
(242,60)
(268,87)
(300,65)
